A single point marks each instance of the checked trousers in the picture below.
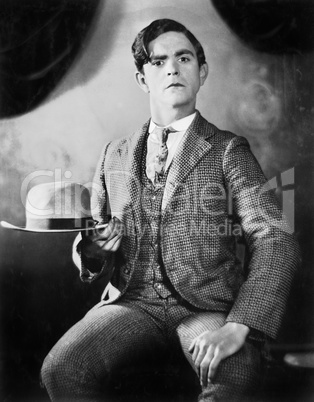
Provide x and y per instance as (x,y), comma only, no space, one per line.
(131,332)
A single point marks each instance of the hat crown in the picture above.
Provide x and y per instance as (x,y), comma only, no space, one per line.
(58,200)
(58,205)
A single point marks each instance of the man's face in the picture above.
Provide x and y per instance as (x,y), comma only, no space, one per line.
(172,76)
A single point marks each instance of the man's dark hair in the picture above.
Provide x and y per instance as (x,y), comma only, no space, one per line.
(155,29)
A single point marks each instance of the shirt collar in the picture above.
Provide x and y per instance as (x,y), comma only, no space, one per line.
(178,125)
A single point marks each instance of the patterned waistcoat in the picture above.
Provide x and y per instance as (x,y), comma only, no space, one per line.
(150,279)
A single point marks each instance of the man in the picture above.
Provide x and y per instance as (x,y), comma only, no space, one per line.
(169,252)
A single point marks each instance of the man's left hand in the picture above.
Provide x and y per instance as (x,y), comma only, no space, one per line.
(211,347)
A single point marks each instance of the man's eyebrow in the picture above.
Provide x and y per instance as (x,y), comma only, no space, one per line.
(177,54)
(158,57)
(184,51)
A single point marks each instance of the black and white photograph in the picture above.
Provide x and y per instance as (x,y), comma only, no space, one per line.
(156,201)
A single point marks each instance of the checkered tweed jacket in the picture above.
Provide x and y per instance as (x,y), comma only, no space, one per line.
(211,171)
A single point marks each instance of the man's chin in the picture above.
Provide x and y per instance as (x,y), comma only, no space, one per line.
(177,101)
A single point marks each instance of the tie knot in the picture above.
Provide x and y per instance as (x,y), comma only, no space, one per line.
(162,133)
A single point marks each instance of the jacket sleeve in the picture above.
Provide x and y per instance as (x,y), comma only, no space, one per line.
(92,268)
(274,254)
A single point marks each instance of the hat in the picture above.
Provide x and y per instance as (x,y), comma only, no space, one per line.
(57,207)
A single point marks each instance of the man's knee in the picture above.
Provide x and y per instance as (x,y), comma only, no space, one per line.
(238,377)
(65,372)
(50,373)
(57,367)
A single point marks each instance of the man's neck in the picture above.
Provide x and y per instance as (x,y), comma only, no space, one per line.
(165,116)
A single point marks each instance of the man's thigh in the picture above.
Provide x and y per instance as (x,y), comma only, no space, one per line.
(109,338)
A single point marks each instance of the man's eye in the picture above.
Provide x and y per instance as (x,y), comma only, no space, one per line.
(157,63)
(184,59)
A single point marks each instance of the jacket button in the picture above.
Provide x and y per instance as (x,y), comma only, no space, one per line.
(126,271)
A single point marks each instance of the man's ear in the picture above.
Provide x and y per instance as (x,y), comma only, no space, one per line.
(141,81)
(203,72)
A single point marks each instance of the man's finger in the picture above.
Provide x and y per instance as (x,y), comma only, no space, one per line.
(111,245)
(111,229)
(198,361)
(117,227)
(117,244)
(114,228)
(100,234)
(214,366)
(205,366)
(195,352)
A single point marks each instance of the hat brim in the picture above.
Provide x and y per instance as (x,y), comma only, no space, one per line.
(8,225)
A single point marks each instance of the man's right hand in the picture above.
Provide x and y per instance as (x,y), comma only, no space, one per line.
(98,243)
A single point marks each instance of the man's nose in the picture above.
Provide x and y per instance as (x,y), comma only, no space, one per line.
(173,68)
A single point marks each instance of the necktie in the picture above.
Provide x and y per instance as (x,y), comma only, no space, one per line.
(162,153)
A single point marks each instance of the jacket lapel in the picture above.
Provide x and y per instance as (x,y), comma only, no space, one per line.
(130,155)
(193,147)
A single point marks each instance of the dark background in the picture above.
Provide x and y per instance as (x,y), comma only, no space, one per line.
(42,45)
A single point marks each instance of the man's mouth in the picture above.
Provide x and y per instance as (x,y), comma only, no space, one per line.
(177,84)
